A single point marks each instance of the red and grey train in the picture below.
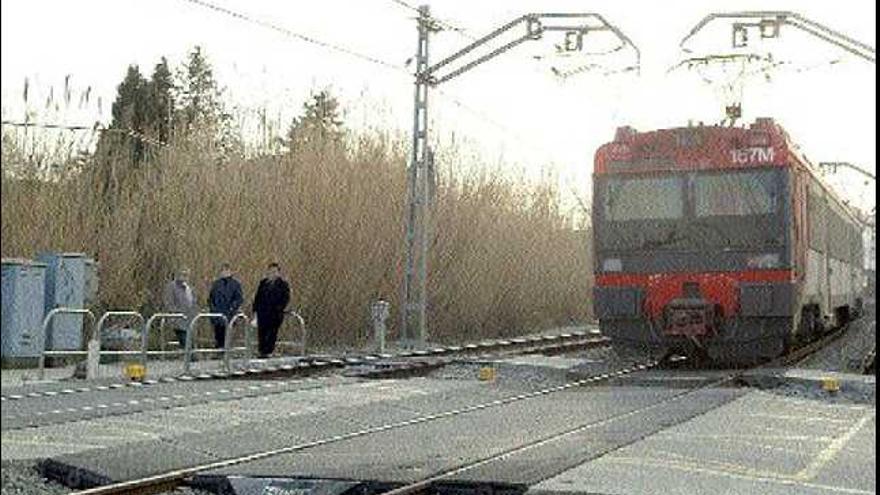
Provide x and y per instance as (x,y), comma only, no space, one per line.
(721,242)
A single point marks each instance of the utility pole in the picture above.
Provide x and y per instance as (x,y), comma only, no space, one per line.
(413,297)
(420,174)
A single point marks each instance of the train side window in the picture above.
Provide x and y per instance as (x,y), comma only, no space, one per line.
(816,219)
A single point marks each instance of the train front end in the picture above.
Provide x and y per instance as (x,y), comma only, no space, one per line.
(692,241)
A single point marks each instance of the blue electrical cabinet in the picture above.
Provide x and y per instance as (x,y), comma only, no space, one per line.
(23,308)
(69,282)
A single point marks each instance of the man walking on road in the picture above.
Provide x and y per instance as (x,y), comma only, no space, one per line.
(270,301)
(179,297)
(225,298)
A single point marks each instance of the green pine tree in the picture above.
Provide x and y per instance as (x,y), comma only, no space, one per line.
(202,113)
(160,102)
(320,125)
(198,94)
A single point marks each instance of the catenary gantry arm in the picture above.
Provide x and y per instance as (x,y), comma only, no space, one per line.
(532,27)
(769,22)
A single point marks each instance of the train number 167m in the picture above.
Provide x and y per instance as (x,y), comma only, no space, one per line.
(752,155)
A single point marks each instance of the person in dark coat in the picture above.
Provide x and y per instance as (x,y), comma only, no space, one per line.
(270,301)
(226,298)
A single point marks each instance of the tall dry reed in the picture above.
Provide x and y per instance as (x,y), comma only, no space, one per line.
(504,259)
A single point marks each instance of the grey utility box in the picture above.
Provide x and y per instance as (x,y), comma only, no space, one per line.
(71,280)
(22,317)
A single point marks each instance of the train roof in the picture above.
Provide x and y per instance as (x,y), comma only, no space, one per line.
(764,143)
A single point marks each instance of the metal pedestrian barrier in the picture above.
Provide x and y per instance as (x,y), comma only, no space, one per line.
(161,317)
(48,319)
(94,351)
(228,341)
(99,327)
(302,325)
(187,357)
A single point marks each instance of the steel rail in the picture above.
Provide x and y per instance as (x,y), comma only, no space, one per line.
(310,363)
(152,484)
(155,483)
(406,367)
(795,356)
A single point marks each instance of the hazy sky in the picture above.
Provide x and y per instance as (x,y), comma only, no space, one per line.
(525,115)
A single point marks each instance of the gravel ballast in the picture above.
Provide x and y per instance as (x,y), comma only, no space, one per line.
(845,355)
(22,478)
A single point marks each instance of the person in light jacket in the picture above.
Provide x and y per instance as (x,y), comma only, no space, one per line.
(179,297)
(225,298)
(270,301)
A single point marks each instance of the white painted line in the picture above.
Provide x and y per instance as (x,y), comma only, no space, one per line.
(16,397)
(830,452)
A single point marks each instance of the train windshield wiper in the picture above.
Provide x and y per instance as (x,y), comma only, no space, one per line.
(671,238)
(703,228)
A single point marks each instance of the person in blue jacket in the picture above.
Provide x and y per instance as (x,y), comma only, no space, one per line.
(225,298)
(270,301)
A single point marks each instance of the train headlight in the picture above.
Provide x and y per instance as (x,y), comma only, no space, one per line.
(763,261)
(612,265)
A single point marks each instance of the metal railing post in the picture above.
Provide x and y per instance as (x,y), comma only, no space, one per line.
(149,324)
(228,341)
(379,312)
(45,332)
(302,326)
(187,357)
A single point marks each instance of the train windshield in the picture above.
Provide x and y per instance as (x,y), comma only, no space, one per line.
(691,211)
(644,198)
(734,194)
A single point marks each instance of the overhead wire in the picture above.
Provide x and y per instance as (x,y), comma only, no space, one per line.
(296,35)
(94,128)
(519,137)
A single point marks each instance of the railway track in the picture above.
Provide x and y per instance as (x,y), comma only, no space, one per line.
(53,407)
(307,365)
(794,357)
(166,481)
